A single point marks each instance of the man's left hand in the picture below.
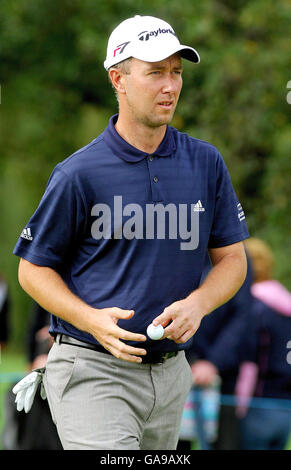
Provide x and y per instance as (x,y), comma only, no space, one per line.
(184,318)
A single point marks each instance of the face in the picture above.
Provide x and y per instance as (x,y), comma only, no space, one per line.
(151,90)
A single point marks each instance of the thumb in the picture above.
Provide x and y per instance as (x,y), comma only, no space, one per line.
(122,314)
(163,319)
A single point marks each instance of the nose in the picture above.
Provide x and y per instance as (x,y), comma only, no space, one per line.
(172,83)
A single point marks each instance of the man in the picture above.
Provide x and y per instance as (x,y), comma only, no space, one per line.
(118,241)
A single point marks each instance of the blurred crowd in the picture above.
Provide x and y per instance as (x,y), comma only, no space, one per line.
(241,393)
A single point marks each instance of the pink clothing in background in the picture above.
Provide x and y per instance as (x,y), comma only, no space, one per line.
(277,297)
(274,294)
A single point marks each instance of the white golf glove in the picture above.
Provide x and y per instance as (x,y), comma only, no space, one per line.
(25,390)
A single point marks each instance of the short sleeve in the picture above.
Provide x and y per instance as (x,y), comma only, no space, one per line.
(54,228)
(229,224)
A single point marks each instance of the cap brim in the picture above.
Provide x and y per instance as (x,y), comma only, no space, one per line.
(157,55)
(189,53)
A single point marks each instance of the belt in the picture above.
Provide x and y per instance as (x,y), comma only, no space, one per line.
(152,357)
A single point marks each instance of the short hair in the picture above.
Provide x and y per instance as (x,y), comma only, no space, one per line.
(123,66)
(261,258)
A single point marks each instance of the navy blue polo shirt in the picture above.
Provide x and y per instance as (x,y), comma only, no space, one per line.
(131,230)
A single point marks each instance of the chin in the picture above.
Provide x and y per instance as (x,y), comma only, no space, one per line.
(154,120)
(162,121)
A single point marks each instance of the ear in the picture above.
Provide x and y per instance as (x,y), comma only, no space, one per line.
(117,80)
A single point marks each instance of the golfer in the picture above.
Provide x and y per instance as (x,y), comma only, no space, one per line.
(119,241)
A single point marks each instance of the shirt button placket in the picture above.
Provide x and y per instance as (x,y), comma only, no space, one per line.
(154,178)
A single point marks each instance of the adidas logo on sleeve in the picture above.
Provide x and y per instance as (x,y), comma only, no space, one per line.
(241,214)
(26,233)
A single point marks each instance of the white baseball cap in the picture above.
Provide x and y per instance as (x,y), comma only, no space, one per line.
(146,38)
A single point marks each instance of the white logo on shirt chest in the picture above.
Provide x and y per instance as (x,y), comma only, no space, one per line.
(198,207)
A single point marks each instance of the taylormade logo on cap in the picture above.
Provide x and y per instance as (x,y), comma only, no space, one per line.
(145,35)
(145,38)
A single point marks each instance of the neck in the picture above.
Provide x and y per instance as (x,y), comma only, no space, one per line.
(140,136)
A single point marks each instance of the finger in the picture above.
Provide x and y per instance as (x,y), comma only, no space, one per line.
(174,330)
(128,335)
(126,352)
(42,391)
(120,313)
(170,331)
(20,400)
(162,319)
(184,337)
(29,396)
(167,315)
(129,358)
(179,335)
(123,348)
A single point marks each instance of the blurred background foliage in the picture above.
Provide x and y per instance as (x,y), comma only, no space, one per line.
(55,98)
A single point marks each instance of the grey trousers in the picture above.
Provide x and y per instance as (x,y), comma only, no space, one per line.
(99,402)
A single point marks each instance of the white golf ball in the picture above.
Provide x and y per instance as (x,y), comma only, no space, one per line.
(155,332)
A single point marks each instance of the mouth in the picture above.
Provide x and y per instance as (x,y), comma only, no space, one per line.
(166,104)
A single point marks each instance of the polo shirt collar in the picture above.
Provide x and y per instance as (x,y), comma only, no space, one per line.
(127,152)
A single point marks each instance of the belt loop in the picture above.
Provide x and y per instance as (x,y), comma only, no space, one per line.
(59,338)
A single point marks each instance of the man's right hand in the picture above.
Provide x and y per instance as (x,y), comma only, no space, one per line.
(109,334)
